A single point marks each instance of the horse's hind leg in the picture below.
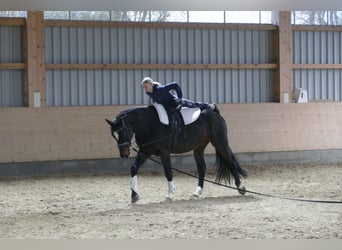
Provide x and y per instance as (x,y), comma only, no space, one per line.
(166,160)
(201,167)
(240,171)
(139,160)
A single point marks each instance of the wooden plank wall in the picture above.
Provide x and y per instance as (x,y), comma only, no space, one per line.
(71,133)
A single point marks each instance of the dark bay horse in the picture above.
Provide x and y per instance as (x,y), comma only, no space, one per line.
(153,138)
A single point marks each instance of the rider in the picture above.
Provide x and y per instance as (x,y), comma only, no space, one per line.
(161,94)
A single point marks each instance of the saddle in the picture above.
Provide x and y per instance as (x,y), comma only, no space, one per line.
(177,119)
(189,115)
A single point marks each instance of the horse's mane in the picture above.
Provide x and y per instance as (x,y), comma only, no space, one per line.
(127,111)
(135,110)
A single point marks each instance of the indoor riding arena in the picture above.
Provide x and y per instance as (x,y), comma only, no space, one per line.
(277,84)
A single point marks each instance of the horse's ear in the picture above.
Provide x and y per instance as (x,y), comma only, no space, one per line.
(109,122)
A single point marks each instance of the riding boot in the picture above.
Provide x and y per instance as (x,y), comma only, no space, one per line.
(173,129)
(216,108)
(201,105)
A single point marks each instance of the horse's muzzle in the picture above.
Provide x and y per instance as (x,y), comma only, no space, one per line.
(125,152)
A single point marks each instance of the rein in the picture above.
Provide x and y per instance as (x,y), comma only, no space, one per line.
(152,142)
(248,191)
(129,143)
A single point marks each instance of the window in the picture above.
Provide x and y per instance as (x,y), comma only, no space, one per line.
(13,13)
(165,16)
(317,17)
(248,17)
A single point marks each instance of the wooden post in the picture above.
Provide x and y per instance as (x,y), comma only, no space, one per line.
(283,86)
(35,59)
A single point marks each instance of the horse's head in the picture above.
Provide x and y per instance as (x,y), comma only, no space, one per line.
(125,134)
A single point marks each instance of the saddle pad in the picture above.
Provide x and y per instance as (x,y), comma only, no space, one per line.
(189,114)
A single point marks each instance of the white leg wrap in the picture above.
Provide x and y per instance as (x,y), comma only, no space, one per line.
(134,183)
(198,191)
(172,189)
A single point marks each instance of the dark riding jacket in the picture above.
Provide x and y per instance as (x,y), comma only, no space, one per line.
(161,94)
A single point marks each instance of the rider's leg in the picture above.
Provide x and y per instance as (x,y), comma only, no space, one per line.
(201,105)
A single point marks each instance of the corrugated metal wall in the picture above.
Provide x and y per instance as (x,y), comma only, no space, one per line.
(114,87)
(169,46)
(320,47)
(321,84)
(156,45)
(11,81)
(135,45)
(11,88)
(110,45)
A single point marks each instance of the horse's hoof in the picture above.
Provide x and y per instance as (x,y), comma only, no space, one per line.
(194,196)
(135,198)
(168,199)
(242,190)
(197,193)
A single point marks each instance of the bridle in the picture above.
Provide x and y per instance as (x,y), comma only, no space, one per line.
(127,131)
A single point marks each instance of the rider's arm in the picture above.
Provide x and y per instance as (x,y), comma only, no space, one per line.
(174,86)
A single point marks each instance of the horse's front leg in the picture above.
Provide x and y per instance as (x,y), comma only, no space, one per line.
(139,160)
(166,160)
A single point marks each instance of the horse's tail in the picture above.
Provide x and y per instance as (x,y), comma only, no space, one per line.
(226,162)
(225,166)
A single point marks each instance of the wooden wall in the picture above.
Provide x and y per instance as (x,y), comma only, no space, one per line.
(81,132)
